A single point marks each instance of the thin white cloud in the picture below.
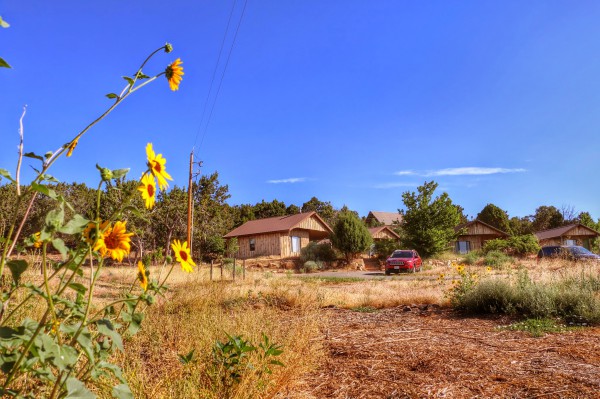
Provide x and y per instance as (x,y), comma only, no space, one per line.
(290,180)
(472,171)
(405,173)
(394,185)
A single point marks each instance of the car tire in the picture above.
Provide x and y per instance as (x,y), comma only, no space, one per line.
(387,272)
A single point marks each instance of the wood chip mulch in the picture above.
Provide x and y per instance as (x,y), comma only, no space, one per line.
(428,352)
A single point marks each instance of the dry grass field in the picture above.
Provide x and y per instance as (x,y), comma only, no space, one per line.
(350,338)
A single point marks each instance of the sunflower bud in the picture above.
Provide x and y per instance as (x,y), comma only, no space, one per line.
(106,174)
(168,48)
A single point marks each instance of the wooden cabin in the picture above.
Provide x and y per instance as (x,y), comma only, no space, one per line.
(474,234)
(282,236)
(383,218)
(572,234)
(383,233)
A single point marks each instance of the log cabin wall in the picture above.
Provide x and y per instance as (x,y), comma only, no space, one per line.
(264,245)
(312,223)
(285,240)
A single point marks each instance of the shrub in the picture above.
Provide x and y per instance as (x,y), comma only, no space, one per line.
(573,300)
(350,235)
(310,266)
(516,245)
(472,257)
(383,248)
(496,259)
(317,252)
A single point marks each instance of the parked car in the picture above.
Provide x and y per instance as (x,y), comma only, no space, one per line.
(572,252)
(403,259)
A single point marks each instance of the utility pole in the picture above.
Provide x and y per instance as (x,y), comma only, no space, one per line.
(190,216)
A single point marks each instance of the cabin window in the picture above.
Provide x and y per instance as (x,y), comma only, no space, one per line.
(463,247)
(295,244)
(570,242)
(252,244)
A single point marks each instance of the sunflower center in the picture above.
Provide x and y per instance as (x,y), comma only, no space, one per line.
(111,241)
(150,190)
(157,167)
(183,255)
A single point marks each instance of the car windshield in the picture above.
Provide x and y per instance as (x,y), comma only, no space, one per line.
(402,254)
(580,251)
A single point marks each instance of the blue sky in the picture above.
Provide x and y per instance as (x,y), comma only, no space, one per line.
(353,102)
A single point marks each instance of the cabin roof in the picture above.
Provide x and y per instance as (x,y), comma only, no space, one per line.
(274,224)
(561,231)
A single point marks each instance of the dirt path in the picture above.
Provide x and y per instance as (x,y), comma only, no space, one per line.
(422,352)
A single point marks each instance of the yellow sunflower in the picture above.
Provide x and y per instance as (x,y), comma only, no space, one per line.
(157,165)
(148,190)
(37,243)
(72,146)
(182,255)
(174,72)
(142,275)
(89,233)
(114,242)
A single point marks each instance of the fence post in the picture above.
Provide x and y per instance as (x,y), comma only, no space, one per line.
(244,269)
(211,268)
(222,269)
(234,259)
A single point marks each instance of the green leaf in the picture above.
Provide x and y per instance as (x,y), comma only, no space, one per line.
(77,390)
(40,188)
(82,289)
(4,64)
(118,173)
(6,173)
(129,80)
(17,267)
(84,339)
(60,246)
(136,321)
(140,75)
(66,357)
(105,327)
(112,95)
(75,225)
(49,178)
(48,154)
(55,218)
(33,155)
(185,359)
(122,391)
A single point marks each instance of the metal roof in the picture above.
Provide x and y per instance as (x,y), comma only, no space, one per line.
(387,218)
(561,231)
(274,224)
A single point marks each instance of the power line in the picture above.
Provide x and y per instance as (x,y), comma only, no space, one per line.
(212,80)
(237,29)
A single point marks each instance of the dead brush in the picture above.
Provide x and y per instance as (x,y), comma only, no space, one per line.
(198,315)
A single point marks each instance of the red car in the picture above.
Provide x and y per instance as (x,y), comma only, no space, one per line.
(403,259)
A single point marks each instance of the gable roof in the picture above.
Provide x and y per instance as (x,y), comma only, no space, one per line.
(375,230)
(561,231)
(274,224)
(387,218)
(472,222)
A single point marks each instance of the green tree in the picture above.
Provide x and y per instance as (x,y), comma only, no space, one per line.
(292,210)
(495,217)
(429,222)
(325,210)
(212,215)
(350,235)
(269,209)
(547,217)
(242,214)
(586,219)
(520,226)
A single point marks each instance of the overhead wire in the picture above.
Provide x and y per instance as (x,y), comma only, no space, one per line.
(212,80)
(223,74)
